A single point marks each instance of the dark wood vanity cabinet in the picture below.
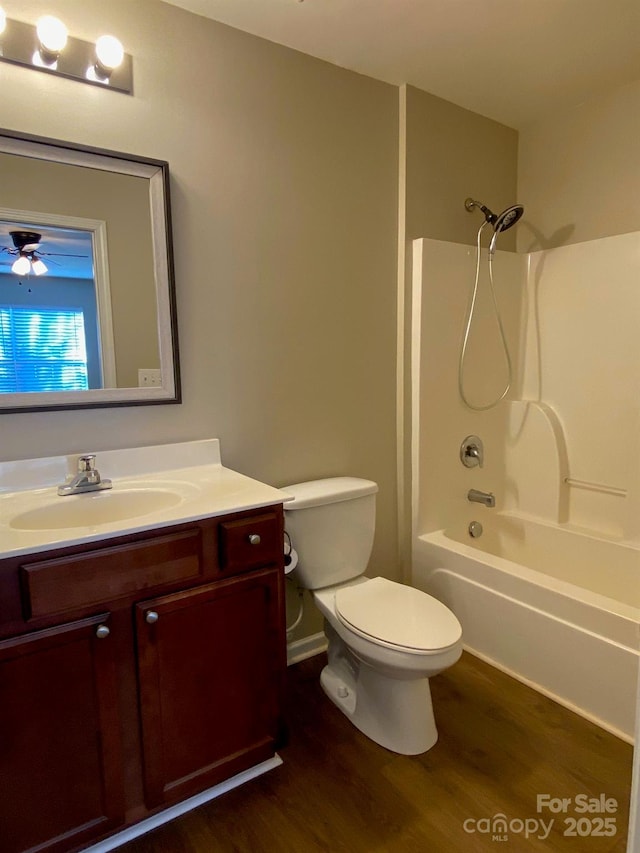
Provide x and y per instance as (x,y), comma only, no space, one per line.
(136,672)
(202,712)
(60,762)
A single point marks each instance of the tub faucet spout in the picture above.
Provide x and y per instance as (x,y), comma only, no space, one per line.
(478,497)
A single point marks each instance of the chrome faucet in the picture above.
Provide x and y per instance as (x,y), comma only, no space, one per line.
(478,497)
(87,479)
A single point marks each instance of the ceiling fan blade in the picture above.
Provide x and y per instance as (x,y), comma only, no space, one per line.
(60,255)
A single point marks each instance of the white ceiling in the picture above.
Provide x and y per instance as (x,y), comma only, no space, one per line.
(510,60)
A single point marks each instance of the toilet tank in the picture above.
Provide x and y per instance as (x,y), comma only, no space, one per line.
(331,523)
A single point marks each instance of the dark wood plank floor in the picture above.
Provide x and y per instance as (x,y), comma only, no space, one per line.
(501,744)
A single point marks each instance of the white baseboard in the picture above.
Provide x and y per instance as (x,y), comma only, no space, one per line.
(172,812)
(305,648)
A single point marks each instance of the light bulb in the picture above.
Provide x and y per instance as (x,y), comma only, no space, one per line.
(110,52)
(3,20)
(39,267)
(52,34)
(21,266)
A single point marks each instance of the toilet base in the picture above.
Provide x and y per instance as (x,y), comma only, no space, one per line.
(395,713)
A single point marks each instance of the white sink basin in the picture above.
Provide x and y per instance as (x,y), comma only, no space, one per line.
(153,487)
(95,508)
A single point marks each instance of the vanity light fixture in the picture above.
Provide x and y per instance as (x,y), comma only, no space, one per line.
(48,47)
(109,56)
(53,36)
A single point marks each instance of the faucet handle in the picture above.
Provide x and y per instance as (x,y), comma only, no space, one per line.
(86,462)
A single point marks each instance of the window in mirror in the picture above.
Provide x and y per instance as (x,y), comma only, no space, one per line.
(60,271)
(42,349)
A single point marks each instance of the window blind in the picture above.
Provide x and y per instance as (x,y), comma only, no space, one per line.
(42,349)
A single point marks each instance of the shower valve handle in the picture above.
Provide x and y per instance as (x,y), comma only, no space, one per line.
(472,452)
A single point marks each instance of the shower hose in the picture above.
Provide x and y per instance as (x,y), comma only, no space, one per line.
(467,330)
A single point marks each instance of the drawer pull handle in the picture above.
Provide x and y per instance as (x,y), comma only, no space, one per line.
(254,538)
(151,617)
(102,632)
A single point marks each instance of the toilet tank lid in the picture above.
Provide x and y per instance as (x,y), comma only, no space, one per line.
(328,491)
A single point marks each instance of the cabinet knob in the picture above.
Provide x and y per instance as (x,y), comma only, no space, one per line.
(151,617)
(254,539)
(102,631)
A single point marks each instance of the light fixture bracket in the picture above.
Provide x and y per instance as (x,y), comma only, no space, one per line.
(19,44)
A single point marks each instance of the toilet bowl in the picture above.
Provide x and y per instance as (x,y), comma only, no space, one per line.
(396,628)
(385,639)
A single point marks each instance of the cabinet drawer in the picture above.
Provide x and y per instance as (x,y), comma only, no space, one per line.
(84,580)
(250,542)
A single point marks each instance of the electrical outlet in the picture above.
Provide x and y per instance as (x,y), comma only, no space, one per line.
(149,377)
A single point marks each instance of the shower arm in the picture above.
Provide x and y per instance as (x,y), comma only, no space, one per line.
(471,203)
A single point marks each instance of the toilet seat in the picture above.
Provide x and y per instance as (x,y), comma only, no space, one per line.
(397,616)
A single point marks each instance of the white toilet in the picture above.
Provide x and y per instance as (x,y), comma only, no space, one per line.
(385,639)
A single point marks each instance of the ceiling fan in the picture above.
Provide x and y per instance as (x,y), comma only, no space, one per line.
(26,246)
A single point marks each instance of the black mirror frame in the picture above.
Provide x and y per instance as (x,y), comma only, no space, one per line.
(157,171)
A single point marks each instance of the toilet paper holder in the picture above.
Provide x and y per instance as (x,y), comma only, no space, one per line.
(290,554)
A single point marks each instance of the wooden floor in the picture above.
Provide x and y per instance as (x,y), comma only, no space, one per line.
(500,745)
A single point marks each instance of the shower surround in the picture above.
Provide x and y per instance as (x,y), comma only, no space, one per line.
(551,592)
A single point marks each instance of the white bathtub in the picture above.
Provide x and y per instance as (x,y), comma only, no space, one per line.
(554,607)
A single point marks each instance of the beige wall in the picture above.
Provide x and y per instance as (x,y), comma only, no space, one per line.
(579,172)
(284,192)
(453,154)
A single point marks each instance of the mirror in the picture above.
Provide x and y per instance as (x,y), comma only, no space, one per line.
(87,295)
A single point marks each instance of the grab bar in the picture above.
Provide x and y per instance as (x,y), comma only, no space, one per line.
(596,487)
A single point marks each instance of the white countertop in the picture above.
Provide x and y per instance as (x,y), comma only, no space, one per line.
(190,471)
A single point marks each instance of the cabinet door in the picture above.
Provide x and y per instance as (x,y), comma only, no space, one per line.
(60,767)
(210,666)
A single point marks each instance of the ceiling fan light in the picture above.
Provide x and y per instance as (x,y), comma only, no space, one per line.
(39,267)
(21,266)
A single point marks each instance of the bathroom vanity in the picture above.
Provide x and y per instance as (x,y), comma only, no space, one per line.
(142,659)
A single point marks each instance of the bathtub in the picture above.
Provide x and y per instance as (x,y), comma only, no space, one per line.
(554,607)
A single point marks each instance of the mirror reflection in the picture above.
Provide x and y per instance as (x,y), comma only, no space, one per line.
(86,288)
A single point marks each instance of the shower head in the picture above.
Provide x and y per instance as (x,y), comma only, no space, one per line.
(508,217)
(500,222)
